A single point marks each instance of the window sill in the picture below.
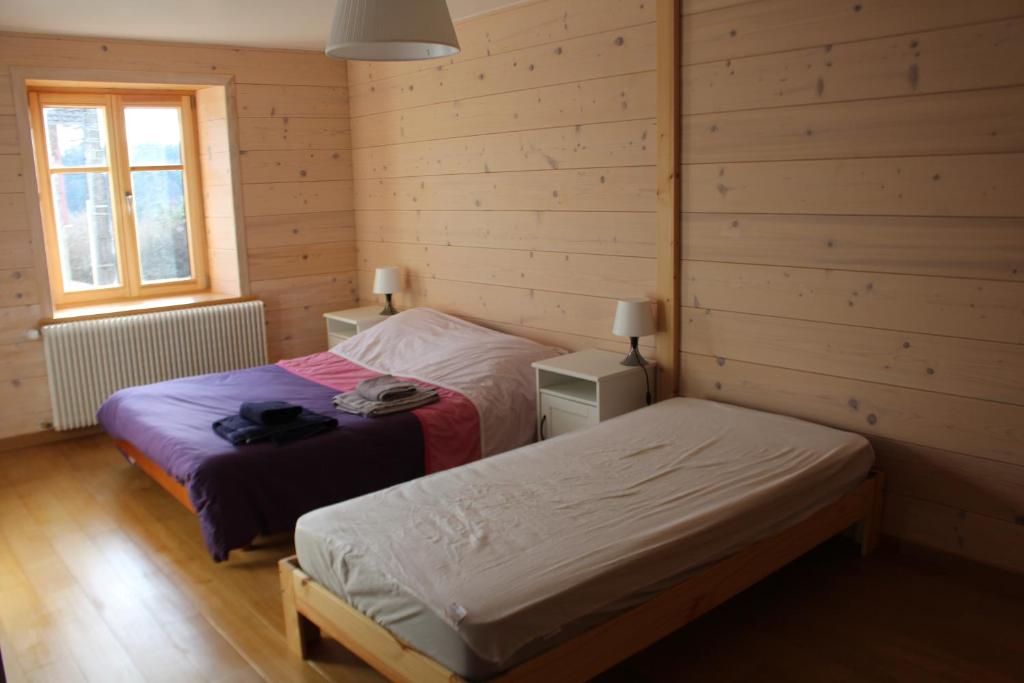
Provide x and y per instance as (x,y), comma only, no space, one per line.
(164,303)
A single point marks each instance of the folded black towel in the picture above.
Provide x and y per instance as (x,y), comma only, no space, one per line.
(269,412)
(239,430)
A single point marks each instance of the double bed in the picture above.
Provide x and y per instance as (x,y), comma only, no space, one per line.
(554,561)
(487,399)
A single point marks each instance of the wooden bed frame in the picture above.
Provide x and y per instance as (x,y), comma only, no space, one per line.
(309,608)
(156,473)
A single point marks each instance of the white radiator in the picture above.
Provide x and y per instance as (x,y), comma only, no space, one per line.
(89,360)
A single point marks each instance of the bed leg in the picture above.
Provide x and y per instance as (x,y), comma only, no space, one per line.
(299,631)
(870,527)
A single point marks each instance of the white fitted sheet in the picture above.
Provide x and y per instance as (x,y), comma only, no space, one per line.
(486,564)
(492,369)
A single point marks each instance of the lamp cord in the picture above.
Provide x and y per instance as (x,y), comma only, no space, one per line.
(635,352)
(647,379)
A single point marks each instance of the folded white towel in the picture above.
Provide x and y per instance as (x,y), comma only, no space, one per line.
(386,388)
(352,402)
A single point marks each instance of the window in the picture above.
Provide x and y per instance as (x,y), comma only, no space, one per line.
(119,188)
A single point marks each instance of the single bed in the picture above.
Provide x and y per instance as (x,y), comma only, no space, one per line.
(556,560)
(239,492)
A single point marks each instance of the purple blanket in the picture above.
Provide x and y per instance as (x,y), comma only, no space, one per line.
(241,491)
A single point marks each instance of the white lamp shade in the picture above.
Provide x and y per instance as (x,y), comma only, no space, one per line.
(633,318)
(392,30)
(387,280)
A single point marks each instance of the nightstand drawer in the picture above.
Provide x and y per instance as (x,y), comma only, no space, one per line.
(342,325)
(578,390)
(350,328)
(560,415)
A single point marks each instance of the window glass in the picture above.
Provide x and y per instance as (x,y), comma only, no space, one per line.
(160,225)
(154,135)
(114,169)
(85,231)
(76,136)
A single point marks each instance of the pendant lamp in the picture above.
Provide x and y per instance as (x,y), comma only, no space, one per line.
(392,30)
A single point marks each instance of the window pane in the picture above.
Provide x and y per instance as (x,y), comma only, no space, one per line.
(85,230)
(154,135)
(76,136)
(160,225)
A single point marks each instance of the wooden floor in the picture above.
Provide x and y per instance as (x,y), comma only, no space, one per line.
(103,577)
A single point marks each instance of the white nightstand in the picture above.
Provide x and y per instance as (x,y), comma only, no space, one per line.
(344,324)
(581,389)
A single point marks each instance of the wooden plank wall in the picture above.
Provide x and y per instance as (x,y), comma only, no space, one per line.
(853,240)
(515,183)
(292,122)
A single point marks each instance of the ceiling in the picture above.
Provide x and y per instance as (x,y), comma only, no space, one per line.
(295,24)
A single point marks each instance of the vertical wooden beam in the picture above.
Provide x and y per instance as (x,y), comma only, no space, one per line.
(669,205)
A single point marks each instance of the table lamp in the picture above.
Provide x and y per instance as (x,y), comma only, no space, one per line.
(387,281)
(634,319)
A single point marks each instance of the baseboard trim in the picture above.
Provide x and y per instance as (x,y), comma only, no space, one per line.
(15,443)
(937,559)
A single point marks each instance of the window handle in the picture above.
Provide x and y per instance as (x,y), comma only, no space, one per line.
(130,201)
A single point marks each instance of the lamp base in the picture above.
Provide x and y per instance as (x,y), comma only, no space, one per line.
(388,308)
(633,358)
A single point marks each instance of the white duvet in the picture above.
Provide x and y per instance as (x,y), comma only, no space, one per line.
(492,369)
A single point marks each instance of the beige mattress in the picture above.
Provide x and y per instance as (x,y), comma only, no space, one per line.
(485,565)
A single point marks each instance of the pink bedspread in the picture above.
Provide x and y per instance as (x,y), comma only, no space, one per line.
(451,426)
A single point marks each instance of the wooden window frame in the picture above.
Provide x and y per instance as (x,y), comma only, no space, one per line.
(114,102)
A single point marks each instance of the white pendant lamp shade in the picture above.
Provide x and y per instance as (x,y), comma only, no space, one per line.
(387,280)
(392,30)
(633,318)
